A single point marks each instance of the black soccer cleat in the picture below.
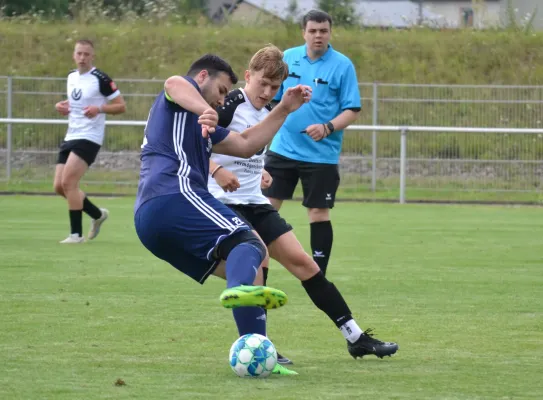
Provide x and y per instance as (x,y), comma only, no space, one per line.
(367,344)
(283,360)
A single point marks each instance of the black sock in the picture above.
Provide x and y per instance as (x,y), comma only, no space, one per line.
(90,209)
(327,298)
(322,237)
(76,221)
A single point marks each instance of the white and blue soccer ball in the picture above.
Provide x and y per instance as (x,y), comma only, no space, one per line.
(253,355)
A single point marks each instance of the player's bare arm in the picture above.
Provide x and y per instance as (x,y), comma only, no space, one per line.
(115,106)
(226,179)
(63,107)
(343,120)
(183,93)
(266,180)
(249,142)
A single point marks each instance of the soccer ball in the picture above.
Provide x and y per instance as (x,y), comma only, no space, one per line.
(253,355)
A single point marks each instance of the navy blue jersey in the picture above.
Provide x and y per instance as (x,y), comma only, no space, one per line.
(174,156)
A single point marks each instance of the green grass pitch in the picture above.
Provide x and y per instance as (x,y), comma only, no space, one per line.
(460,288)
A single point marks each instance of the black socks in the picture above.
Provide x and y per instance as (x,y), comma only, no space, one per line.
(322,237)
(327,298)
(90,209)
(76,222)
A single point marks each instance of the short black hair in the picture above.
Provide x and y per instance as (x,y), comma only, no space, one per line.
(316,16)
(213,65)
(85,41)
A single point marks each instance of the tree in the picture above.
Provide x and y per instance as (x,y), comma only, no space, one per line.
(193,5)
(112,8)
(292,11)
(342,11)
(20,7)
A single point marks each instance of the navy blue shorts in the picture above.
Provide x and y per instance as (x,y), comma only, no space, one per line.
(184,230)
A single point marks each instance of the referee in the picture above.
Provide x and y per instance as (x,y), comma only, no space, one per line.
(308,145)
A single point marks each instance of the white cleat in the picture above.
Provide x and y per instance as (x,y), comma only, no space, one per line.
(97,223)
(73,238)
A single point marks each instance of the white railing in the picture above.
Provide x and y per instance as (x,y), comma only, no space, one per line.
(447,162)
(402,130)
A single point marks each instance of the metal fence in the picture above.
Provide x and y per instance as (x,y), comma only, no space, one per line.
(482,165)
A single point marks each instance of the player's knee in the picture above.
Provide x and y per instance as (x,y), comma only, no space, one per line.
(58,188)
(302,265)
(318,214)
(305,261)
(68,184)
(243,237)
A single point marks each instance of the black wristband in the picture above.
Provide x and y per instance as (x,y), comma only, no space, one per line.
(330,126)
(325,134)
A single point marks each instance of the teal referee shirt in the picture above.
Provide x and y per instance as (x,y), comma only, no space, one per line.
(335,89)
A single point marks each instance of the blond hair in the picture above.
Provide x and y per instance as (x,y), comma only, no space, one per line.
(269,59)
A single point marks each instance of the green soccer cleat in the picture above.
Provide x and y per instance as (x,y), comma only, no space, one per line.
(253,296)
(281,370)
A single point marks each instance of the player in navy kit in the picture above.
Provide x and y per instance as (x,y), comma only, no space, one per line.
(176,217)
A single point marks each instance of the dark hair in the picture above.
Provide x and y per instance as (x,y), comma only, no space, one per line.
(85,41)
(213,65)
(316,16)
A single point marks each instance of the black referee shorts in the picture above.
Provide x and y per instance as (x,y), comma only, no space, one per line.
(319,181)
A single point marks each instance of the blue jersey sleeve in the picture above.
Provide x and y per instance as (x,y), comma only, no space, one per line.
(219,135)
(349,97)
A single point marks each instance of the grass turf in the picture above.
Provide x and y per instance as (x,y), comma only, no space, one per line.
(458,287)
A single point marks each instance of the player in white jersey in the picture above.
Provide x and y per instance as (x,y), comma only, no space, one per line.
(237,183)
(91,95)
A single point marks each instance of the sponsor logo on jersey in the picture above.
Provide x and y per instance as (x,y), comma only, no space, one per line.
(76,94)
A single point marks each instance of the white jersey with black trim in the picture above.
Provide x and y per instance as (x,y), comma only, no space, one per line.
(237,115)
(93,88)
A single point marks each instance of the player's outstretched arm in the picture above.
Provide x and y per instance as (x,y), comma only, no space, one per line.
(255,138)
(181,92)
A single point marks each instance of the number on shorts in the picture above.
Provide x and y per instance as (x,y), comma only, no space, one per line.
(237,221)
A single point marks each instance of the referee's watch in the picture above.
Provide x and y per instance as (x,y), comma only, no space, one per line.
(330,127)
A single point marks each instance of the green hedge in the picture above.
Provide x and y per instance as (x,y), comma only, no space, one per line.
(152,50)
(158,50)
